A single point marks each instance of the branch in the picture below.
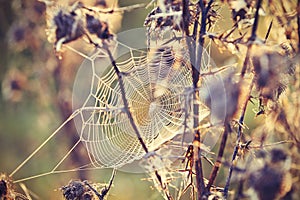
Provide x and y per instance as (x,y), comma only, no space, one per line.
(241,119)
(196,73)
(251,39)
(218,162)
(239,134)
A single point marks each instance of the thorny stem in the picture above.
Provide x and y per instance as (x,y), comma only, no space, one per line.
(241,119)
(195,58)
(204,11)
(198,166)
(189,40)
(251,39)
(218,162)
(131,119)
(196,73)
(239,134)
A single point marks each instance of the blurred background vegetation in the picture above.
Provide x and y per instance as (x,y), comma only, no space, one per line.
(36,97)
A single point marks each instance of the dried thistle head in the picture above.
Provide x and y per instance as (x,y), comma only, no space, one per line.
(165,15)
(69,23)
(101,3)
(241,9)
(77,190)
(82,190)
(271,69)
(64,24)
(273,179)
(97,27)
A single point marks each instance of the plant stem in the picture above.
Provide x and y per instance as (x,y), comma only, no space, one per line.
(239,134)
(241,119)
(218,162)
(251,39)
(195,75)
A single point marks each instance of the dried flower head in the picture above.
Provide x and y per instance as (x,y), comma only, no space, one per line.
(3,189)
(76,190)
(65,24)
(273,179)
(167,14)
(271,69)
(95,26)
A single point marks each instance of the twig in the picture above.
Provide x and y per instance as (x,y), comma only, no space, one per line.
(239,134)
(105,190)
(241,119)
(268,32)
(199,53)
(270,145)
(189,40)
(251,39)
(196,24)
(158,177)
(186,17)
(218,162)
(196,73)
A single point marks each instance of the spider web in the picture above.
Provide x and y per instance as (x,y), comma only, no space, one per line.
(158,88)
(155,83)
